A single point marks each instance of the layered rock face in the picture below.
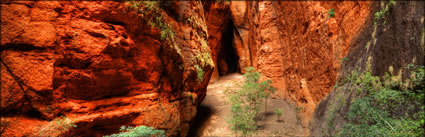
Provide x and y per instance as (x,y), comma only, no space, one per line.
(302,46)
(103,65)
(385,45)
(218,19)
(110,64)
(295,44)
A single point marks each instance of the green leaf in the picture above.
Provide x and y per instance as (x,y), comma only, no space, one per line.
(331,13)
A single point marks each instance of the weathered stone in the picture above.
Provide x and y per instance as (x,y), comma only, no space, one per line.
(101,65)
(295,44)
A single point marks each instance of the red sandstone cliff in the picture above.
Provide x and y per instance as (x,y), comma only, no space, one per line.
(383,46)
(301,48)
(295,44)
(101,65)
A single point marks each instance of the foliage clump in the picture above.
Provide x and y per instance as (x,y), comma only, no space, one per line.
(387,107)
(200,73)
(278,113)
(140,131)
(204,56)
(384,11)
(331,13)
(151,11)
(204,59)
(246,102)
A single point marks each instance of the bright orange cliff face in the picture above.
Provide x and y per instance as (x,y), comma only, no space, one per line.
(295,44)
(100,65)
(108,64)
(309,46)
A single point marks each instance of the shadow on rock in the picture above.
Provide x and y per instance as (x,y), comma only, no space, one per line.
(201,119)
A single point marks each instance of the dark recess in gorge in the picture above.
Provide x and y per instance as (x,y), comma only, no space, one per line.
(228,60)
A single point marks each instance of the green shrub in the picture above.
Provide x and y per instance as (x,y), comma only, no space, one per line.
(246,103)
(298,109)
(140,131)
(151,12)
(384,11)
(242,116)
(278,113)
(193,20)
(200,73)
(331,13)
(204,59)
(387,108)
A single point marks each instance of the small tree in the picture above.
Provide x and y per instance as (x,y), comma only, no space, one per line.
(246,103)
(265,95)
(278,113)
(242,117)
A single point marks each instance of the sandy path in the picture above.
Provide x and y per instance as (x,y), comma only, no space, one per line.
(215,110)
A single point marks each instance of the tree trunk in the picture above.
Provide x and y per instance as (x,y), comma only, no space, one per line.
(265,107)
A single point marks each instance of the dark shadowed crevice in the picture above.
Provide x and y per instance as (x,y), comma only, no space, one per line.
(227,63)
(20,47)
(204,113)
(115,22)
(228,60)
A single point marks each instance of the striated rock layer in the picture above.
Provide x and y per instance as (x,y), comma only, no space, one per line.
(102,65)
(309,46)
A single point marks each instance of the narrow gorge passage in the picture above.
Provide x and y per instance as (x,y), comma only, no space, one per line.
(162,68)
(212,115)
(228,60)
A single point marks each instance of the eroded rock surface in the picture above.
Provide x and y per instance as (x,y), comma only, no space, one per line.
(301,46)
(105,64)
(101,65)
(385,45)
(295,44)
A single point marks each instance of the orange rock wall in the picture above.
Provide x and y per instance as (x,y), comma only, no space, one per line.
(102,66)
(314,51)
(95,62)
(383,46)
(313,44)
(301,48)
(296,44)
(217,16)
